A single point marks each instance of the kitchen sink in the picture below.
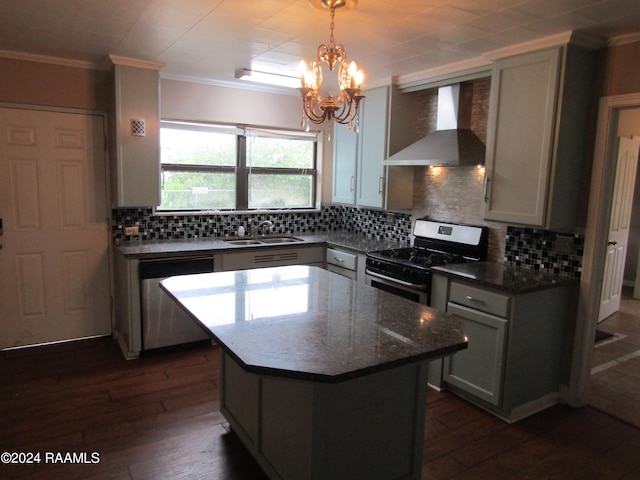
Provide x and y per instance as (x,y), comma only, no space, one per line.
(280,240)
(263,240)
(247,241)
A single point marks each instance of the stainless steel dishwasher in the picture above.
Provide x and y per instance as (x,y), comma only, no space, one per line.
(164,323)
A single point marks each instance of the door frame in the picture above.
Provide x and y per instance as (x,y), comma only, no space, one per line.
(596,237)
(107,157)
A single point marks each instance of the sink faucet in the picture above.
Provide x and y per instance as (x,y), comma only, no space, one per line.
(265,224)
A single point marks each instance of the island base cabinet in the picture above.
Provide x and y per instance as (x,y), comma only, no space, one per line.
(370,427)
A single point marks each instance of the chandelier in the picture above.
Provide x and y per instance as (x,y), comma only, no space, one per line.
(343,108)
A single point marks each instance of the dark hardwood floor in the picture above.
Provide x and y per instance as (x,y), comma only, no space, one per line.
(158,418)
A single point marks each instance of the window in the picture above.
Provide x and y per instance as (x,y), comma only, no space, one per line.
(215,167)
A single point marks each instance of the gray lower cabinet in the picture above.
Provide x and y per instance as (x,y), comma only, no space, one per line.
(127,313)
(346,263)
(478,369)
(270,257)
(514,361)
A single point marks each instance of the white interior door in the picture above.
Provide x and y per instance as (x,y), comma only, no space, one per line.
(626,166)
(55,282)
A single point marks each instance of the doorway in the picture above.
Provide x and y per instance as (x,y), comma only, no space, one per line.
(615,366)
(55,282)
(596,238)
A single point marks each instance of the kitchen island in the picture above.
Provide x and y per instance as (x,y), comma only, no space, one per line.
(322,377)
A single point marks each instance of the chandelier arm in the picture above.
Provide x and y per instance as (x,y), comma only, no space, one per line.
(310,112)
(347,114)
(344,113)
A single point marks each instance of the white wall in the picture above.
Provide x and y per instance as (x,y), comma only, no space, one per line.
(180,100)
(197,101)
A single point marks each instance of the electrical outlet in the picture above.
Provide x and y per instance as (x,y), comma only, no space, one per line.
(564,244)
(391,218)
(129,231)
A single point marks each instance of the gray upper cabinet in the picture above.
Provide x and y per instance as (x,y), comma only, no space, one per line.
(536,137)
(359,176)
(135,147)
(372,148)
(345,153)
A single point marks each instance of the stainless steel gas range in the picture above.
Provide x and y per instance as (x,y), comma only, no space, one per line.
(407,271)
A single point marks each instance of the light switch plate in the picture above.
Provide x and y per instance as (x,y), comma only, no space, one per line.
(564,244)
(131,230)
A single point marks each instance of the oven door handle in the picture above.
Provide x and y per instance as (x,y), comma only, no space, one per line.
(413,286)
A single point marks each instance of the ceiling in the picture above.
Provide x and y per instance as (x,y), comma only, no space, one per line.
(207,40)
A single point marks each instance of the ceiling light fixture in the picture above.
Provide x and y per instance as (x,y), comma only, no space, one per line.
(269,78)
(343,108)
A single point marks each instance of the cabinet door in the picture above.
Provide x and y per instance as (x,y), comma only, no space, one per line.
(478,369)
(373,147)
(522,115)
(345,151)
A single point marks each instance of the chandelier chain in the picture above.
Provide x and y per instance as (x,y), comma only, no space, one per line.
(332,40)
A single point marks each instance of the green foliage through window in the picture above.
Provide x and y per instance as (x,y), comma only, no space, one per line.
(211,167)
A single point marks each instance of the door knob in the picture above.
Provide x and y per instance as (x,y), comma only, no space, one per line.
(612,243)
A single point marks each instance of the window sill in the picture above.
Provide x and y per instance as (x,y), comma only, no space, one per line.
(174,213)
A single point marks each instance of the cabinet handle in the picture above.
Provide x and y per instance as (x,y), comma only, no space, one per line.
(486,189)
(476,300)
(351,184)
(338,259)
(380,185)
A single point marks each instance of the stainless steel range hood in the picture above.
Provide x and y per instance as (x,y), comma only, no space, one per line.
(450,145)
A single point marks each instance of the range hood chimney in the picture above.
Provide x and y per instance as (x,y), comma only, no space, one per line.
(453,144)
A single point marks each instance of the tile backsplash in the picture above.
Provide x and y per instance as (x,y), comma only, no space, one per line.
(544,250)
(526,247)
(371,223)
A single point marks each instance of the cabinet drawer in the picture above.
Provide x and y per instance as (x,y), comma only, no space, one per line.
(342,259)
(479,299)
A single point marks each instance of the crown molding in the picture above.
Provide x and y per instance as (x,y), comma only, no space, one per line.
(562,38)
(34,57)
(433,75)
(474,67)
(135,62)
(624,39)
(238,85)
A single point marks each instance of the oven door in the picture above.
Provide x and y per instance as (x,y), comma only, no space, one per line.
(413,291)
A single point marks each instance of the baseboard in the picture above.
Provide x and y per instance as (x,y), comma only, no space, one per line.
(533,407)
(124,347)
(56,342)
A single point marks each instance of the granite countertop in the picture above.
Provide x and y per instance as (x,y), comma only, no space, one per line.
(307,323)
(351,241)
(515,280)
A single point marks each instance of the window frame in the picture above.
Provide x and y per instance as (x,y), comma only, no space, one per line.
(241,169)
